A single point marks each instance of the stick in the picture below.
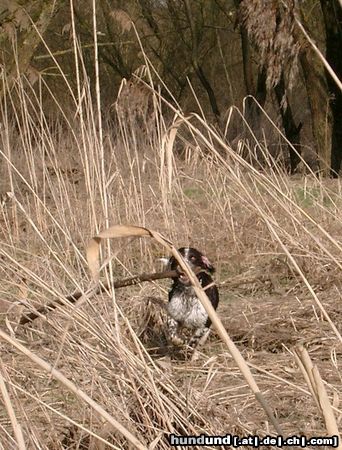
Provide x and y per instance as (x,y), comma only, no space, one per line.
(72,298)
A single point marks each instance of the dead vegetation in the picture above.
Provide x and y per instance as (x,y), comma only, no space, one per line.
(277,247)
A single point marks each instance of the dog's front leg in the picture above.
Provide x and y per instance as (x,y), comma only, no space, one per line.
(199,338)
(172,331)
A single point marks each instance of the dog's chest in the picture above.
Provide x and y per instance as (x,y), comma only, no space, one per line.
(185,307)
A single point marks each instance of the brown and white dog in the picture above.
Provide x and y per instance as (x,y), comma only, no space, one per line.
(184,308)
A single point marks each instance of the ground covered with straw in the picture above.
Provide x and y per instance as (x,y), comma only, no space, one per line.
(276,245)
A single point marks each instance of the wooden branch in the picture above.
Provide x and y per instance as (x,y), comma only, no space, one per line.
(72,298)
(245,278)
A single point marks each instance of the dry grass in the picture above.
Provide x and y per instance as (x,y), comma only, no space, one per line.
(276,244)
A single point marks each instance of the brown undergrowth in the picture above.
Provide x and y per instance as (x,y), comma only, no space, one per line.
(274,240)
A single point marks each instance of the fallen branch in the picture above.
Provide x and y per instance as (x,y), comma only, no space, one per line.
(72,298)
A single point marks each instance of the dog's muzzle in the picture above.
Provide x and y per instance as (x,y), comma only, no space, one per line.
(183,278)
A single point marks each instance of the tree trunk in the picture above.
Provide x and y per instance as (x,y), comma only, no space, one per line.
(247,61)
(247,68)
(292,131)
(209,90)
(332,13)
(316,87)
(252,113)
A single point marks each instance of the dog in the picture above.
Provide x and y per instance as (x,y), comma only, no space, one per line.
(184,308)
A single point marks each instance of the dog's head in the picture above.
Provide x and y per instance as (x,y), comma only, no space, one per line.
(194,258)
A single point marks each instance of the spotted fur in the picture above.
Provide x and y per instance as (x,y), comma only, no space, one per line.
(184,308)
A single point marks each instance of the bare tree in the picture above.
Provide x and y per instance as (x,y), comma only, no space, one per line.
(21,28)
(111,32)
(158,47)
(316,83)
(190,18)
(271,32)
(332,13)
(258,91)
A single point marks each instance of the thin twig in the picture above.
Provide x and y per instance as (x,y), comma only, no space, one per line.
(72,298)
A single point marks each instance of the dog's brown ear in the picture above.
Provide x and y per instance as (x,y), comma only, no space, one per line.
(207,264)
